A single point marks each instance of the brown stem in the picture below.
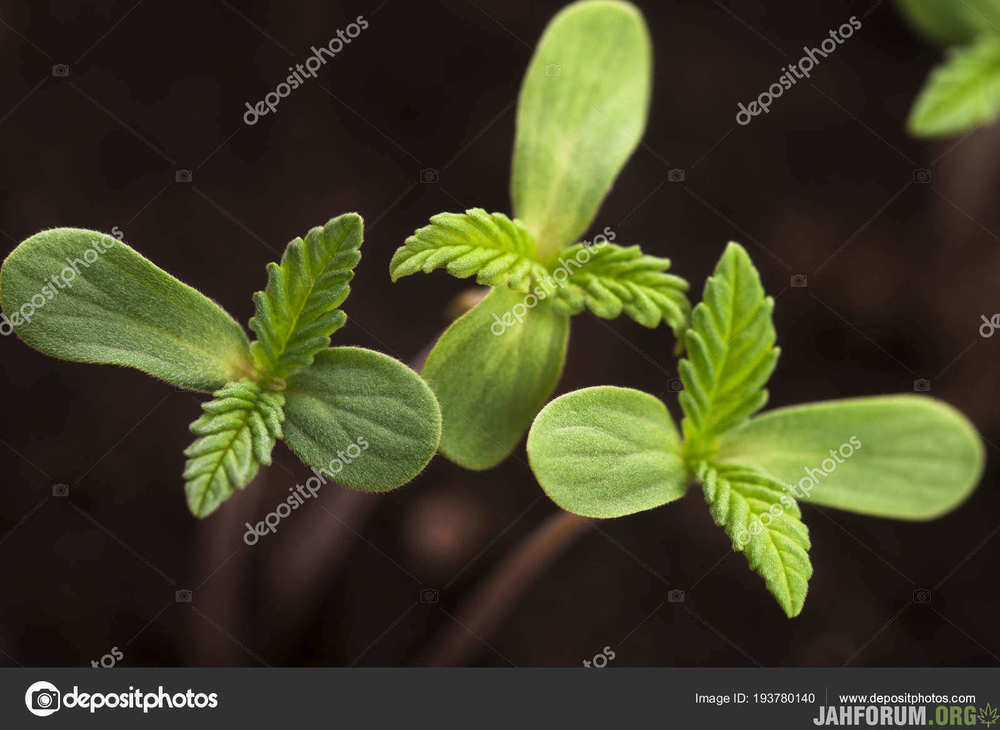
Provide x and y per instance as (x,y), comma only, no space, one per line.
(299,570)
(482,613)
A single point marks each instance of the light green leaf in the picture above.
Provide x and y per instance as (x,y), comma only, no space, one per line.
(730,354)
(609,280)
(491,373)
(297,312)
(236,435)
(764,522)
(581,113)
(952,21)
(961,93)
(84,296)
(903,456)
(362,419)
(499,251)
(607,452)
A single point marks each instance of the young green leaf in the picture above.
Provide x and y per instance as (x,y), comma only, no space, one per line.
(609,280)
(607,452)
(581,113)
(764,522)
(297,312)
(731,354)
(961,93)
(904,456)
(362,419)
(952,21)
(81,295)
(491,373)
(236,435)
(498,250)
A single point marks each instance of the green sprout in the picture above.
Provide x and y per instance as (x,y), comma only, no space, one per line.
(608,452)
(963,92)
(581,113)
(84,296)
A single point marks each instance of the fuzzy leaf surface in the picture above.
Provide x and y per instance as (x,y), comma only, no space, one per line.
(492,374)
(580,114)
(496,250)
(364,419)
(903,456)
(236,435)
(614,279)
(85,296)
(730,353)
(298,310)
(763,521)
(607,452)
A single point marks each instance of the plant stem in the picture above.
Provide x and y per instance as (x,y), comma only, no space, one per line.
(484,611)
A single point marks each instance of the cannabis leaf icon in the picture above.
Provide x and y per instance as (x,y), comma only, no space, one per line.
(988,715)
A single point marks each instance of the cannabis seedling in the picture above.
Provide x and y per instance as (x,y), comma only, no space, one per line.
(581,112)
(963,92)
(80,295)
(609,452)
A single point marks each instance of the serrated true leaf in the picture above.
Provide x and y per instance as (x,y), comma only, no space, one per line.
(763,521)
(496,250)
(610,279)
(81,295)
(901,456)
(730,354)
(297,312)
(236,435)
(962,93)
(607,452)
(580,114)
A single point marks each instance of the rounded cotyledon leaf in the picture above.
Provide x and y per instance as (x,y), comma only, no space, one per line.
(581,113)
(903,456)
(361,418)
(491,371)
(85,296)
(607,452)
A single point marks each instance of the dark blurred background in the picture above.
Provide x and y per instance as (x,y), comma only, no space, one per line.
(102,103)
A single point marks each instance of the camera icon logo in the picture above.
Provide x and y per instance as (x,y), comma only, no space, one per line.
(553,69)
(183,596)
(183,176)
(60,70)
(42,699)
(922,595)
(921,385)
(922,175)
(799,281)
(60,490)
(429,175)
(676,385)
(430,595)
(675,174)
(675,596)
